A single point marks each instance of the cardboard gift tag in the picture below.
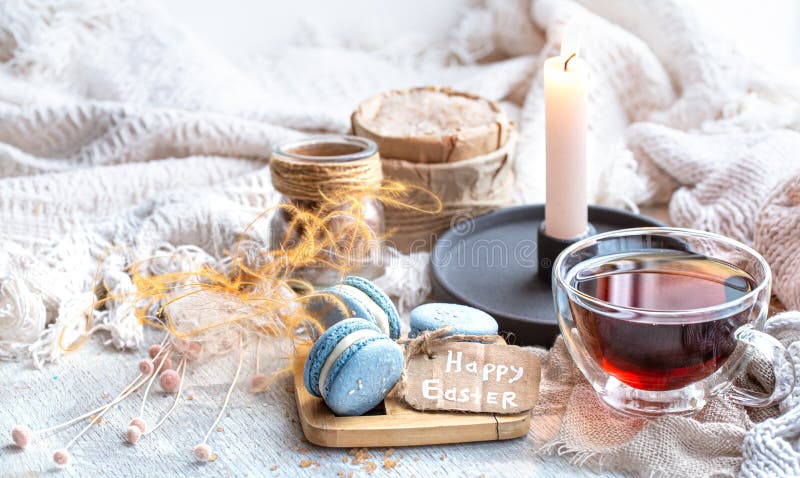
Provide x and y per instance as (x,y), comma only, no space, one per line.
(472,377)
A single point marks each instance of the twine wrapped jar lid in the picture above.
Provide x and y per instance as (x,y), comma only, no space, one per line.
(432,124)
(313,168)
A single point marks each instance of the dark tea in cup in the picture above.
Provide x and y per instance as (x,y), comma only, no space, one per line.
(641,349)
(659,320)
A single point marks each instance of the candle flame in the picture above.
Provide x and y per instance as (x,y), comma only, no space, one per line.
(571,41)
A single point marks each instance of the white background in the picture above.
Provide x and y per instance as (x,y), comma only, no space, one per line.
(767,29)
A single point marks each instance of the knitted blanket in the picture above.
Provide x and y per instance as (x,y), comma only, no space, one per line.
(123,136)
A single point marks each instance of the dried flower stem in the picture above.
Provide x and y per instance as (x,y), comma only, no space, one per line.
(125,393)
(182,368)
(164,353)
(258,355)
(122,396)
(230,390)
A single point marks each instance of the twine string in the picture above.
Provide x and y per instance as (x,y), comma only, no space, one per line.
(428,340)
(315,180)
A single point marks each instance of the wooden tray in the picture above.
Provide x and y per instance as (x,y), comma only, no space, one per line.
(396,424)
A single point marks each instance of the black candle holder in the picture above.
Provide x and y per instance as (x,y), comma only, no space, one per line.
(501,263)
(549,247)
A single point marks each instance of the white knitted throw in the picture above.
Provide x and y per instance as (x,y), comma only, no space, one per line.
(122,137)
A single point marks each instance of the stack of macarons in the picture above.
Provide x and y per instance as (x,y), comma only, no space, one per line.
(360,298)
(463,320)
(353,366)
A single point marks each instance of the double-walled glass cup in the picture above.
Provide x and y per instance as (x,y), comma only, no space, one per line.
(648,361)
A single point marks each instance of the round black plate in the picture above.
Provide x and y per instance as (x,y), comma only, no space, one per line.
(490,263)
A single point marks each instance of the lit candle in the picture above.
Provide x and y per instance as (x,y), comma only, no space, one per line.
(565,85)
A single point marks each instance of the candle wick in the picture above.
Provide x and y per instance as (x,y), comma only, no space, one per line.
(568,59)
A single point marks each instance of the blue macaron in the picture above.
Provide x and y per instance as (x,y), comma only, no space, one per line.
(380,298)
(361,298)
(464,320)
(353,366)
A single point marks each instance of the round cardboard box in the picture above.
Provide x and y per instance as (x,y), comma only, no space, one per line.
(456,143)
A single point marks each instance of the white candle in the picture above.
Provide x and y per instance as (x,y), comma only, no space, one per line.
(565,85)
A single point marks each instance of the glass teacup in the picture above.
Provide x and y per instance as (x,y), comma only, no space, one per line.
(659,320)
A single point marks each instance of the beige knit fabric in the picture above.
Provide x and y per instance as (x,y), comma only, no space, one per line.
(777,236)
(723,180)
(123,136)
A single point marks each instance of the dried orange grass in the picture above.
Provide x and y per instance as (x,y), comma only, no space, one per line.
(335,236)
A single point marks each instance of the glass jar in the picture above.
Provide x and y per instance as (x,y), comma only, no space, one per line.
(323,181)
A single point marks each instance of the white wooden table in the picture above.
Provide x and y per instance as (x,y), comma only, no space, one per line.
(261,437)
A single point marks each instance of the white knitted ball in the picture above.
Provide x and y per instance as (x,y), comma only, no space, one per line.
(22,317)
